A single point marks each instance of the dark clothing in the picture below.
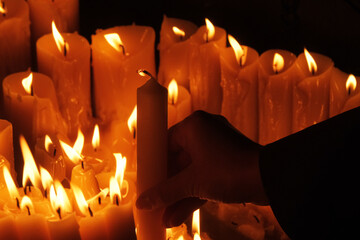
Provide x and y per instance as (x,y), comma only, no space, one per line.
(312,179)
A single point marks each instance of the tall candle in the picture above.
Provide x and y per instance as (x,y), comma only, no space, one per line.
(174,50)
(65,13)
(204,70)
(311,92)
(277,74)
(151,153)
(6,143)
(239,82)
(67,61)
(14,38)
(117,53)
(344,92)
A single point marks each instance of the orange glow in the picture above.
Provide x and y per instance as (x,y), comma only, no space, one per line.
(115,41)
(59,200)
(115,195)
(47,143)
(2,8)
(278,63)
(351,83)
(311,62)
(173,92)
(31,171)
(210,30)
(71,153)
(27,83)
(178,32)
(46,178)
(180,238)
(96,137)
(62,46)
(13,191)
(26,205)
(132,121)
(240,54)
(120,168)
(80,200)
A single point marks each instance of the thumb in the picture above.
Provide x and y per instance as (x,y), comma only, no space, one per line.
(168,192)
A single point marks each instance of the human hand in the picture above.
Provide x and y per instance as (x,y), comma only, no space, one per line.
(208,160)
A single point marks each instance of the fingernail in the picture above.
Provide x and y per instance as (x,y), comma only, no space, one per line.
(144,203)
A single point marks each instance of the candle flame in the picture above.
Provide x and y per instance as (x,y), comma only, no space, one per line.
(240,53)
(196,224)
(47,143)
(2,8)
(132,121)
(351,83)
(79,142)
(278,63)
(27,83)
(210,30)
(46,178)
(62,46)
(27,205)
(180,238)
(120,168)
(173,92)
(178,32)
(31,171)
(311,62)
(10,184)
(59,199)
(115,195)
(115,41)
(96,137)
(70,152)
(80,200)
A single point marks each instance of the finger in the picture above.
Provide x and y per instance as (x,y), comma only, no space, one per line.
(177,213)
(167,192)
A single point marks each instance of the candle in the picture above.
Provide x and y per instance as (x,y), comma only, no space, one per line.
(239,82)
(6,143)
(151,153)
(179,103)
(65,13)
(14,38)
(48,154)
(7,226)
(204,71)
(344,92)
(311,93)
(66,59)
(117,53)
(277,74)
(83,176)
(30,225)
(175,50)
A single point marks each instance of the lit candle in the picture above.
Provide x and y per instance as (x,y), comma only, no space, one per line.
(277,74)
(14,38)
(151,153)
(344,92)
(239,82)
(48,154)
(179,103)
(6,143)
(175,50)
(117,53)
(65,13)
(311,92)
(66,59)
(204,71)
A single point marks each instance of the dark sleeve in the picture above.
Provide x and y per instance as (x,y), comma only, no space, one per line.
(312,179)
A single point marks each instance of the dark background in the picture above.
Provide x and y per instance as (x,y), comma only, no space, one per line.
(330,27)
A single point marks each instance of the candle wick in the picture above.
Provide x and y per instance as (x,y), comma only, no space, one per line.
(90,212)
(17,203)
(54,152)
(99,200)
(241,64)
(59,212)
(134,133)
(95,149)
(123,49)
(32,90)
(349,91)
(117,200)
(312,71)
(82,165)
(28,210)
(65,50)
(45,193)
